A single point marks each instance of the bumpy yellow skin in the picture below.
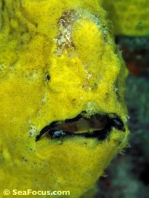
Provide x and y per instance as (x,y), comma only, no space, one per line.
(71,42)
(128,17)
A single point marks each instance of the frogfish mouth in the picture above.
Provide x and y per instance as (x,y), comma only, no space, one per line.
(94,126)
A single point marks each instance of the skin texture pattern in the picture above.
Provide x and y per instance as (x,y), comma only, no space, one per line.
(62,82)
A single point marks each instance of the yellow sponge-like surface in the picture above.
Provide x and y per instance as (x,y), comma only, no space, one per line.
(57,59)
(128,17)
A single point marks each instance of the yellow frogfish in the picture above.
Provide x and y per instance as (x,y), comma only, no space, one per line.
(62,110)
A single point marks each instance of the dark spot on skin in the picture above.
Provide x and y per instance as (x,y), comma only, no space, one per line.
(96,126)
(48,77)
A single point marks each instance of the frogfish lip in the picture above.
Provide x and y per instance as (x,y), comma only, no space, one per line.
(94,126)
